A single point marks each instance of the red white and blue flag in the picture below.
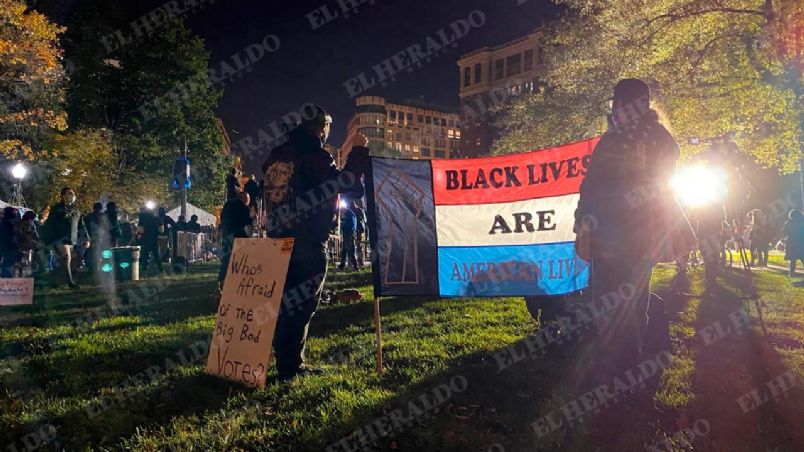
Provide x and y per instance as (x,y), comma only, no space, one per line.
(486,227)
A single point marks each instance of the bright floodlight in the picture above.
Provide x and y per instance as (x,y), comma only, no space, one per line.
(150,205)
(699,185)
(19,171)
(342,204)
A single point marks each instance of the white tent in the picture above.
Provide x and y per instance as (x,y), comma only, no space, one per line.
(204,218)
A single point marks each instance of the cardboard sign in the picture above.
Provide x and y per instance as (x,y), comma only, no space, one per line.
(16,291)
(244,327)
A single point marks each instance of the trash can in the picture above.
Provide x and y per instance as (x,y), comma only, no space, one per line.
(127,263)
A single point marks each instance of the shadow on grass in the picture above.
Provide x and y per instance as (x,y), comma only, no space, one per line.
(731,362)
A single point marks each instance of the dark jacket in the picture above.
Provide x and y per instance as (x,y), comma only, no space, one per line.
(150,228)
(115,233)
(193,226)
(348,222)
(235,217)
(252,187)
(794,230)
(232,187)
(301,187)
(361,219)
(168,225)
(93,222)
(627,196)
(63,225)
(9,240)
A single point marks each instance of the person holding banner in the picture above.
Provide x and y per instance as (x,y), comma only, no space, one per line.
(302,184)
(627,220)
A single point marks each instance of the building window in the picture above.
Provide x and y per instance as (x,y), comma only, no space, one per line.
(528,59)
(439,154)
(421,118)
(478,73)
(425,152)
(407,136)
(409,117)
(499,68)
(407,148)
(392,117)
(467,74)
(399,136)
(514,64)
(415,149)
(398,146)
(443,122)
(428,120)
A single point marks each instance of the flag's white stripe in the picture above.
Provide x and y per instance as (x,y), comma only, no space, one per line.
(472,224)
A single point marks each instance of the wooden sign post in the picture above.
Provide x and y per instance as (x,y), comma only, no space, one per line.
(16,291)
(244,327)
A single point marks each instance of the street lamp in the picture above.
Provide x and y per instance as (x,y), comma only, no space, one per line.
(19,171)
(150,205)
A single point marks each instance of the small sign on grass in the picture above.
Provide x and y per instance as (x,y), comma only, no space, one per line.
(16,291)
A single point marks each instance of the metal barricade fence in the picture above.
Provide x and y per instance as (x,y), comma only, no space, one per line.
(190,246)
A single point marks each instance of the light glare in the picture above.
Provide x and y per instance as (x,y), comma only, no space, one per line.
(699,185)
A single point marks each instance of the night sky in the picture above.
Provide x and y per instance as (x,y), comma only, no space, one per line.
(312,65)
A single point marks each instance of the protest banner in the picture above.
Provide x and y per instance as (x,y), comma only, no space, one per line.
(496,226)
(244,326)
(16,291)
(484,227)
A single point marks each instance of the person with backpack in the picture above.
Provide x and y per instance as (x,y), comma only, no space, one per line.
(302,183)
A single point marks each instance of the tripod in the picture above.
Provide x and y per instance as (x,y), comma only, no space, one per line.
(746,263)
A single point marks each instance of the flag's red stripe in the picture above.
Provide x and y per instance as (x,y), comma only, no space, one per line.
(514,177)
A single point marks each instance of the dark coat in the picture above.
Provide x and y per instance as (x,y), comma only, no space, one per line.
(150,228)
(235,218)
(794,230)
(63,225)
(301,187)
(626,194)
(348,222)
(9,240)
(232,186)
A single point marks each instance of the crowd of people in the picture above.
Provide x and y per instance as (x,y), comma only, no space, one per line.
(68,240)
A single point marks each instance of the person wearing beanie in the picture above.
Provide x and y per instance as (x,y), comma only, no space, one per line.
(637,222)
(302,184)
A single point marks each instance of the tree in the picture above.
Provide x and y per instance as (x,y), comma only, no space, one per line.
(152,94)
(718,68)
(31,81)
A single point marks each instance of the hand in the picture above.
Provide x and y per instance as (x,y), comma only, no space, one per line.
(360,140)
(358,160)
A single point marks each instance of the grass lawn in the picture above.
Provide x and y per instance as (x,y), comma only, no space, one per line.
(130,379)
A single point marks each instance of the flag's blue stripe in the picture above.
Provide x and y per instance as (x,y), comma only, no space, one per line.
(544,269)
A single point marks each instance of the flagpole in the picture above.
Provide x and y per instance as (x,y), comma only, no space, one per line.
(378,333)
